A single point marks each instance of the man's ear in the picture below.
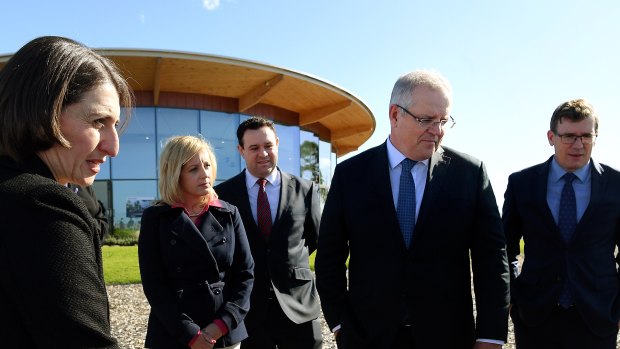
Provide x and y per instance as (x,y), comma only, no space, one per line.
(550,136)
(393,114)
(240,149)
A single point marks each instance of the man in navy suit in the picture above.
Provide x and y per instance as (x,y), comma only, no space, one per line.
(567,210)
(284,305)
(413,217)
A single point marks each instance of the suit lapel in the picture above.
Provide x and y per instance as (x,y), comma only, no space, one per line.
(437,173)
(243,201)
(286,191)
(597,188)
(541,182)
(181,227)
(376,181)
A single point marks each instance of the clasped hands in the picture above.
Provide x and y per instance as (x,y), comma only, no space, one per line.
(208,337)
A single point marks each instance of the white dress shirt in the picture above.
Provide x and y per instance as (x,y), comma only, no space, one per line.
(272,188)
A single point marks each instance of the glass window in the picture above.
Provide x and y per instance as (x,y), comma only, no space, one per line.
(326,166)
(220,129)
(309,156)
(288,150)
(175,122)
(130,198)
(136,157)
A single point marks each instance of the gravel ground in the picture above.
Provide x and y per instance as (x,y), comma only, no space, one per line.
(129,312)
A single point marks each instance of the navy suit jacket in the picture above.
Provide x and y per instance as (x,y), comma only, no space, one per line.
(282,260)
(588,260)
(430,282)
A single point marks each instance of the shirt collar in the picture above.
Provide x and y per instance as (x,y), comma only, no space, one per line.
(273,178)
(214,203)
(395,157)
(556,171)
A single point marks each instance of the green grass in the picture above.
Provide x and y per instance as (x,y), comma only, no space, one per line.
(120,265)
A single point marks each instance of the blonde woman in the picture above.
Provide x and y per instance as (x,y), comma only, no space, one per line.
(195,261)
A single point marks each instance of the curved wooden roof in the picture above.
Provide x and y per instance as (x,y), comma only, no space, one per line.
(177,79)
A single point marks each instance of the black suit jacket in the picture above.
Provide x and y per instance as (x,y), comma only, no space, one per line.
(52,293)
(588,260)
(192,275)
(430,282)
(282,260)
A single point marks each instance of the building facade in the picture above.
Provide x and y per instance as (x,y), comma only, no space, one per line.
(190,94)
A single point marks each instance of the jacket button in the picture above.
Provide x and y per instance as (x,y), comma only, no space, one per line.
(173,242)
(179,269)
(559,278)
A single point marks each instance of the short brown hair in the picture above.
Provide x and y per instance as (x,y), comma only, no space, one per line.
(43,77)
(574,110)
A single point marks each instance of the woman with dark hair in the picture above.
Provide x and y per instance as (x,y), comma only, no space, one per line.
(195,261)
(60,105)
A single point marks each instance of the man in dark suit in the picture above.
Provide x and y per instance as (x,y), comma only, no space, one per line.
(281,219)
(567,210)
(410,238)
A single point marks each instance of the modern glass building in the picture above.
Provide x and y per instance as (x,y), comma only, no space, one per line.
(192,94)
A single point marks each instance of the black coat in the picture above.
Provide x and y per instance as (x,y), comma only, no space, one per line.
(589,260)
(458,227)
(192,276)
(52,293)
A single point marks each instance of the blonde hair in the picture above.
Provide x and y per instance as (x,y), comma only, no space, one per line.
(177,152)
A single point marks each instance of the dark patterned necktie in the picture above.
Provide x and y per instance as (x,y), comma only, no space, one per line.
(405,211)
(567,222)
(263,211)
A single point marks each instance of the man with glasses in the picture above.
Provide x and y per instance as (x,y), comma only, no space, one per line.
(412,217)
(567,210)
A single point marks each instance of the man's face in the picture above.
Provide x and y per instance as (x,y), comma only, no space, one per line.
(260,151)
(573,156)
(412,140)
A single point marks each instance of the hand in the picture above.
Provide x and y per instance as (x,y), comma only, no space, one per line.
(485,345)
(212,331)
(202,343)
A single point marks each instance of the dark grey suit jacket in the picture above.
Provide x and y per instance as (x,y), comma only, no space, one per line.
(52,293)
(588,260)
(431,281)
(282,260)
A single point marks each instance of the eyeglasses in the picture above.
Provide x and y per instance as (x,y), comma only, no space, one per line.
(570,138)
(428,123)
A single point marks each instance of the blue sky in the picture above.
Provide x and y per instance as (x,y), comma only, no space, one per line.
(510,62)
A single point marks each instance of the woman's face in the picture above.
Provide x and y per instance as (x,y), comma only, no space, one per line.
(89,126)
(195,178)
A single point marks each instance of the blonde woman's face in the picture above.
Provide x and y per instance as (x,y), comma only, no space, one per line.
(89,126)
(195,179)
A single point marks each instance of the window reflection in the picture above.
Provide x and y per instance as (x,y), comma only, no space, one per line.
(220,130)
(136,158)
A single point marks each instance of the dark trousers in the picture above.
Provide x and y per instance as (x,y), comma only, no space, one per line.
(565,329)
(278,331)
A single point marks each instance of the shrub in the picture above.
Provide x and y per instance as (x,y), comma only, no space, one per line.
(122,237)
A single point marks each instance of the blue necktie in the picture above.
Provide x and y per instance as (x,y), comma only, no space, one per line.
(567,222)
(405,211)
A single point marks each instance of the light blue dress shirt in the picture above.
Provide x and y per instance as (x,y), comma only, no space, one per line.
(581,185)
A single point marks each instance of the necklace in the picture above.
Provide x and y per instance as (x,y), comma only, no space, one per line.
(192,214)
